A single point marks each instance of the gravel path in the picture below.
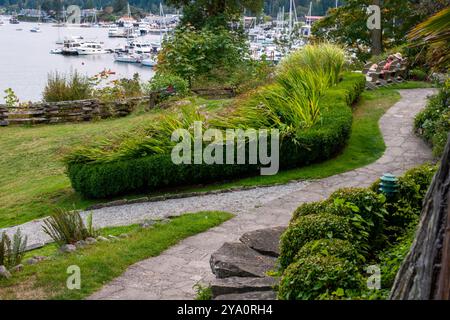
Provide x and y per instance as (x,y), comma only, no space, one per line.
(172,274)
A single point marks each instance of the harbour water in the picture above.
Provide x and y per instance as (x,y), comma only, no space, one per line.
(25,58)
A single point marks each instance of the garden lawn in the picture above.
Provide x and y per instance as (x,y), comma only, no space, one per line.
(32,176)
(103,261)
(33,182)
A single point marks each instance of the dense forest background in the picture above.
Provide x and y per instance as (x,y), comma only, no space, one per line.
(271,7)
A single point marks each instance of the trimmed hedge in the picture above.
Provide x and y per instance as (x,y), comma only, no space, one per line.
(308,228)
(322,258)
(318,275)
(322,141)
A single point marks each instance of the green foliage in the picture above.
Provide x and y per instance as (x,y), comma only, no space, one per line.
(141,160)
(404,209)
(11,98)
(67,227)
(191,53)
(418,74)
(119,89)
(308,228)
(338,248)
(202,292)
(386,224)
(67,87)
(169,85)
(313,276)
(347,25)
(214,13)
(433,123)
(12,251)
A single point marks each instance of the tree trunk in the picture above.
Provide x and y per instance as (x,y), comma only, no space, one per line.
(425,273)
(377,35)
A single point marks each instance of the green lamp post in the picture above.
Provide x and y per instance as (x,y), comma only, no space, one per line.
(389,184)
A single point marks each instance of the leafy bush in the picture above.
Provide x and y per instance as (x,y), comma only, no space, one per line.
(418,75)
(363,207)
(433,123)
(311,277)
(191,53)
(338,248)
(388,222)
(12,251)
(308,228)
(169,84)
(119,89)
(67,87)
(67,227)
(404,209)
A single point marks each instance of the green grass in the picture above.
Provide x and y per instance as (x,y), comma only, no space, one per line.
(33,182)
(32,177)
(102,262)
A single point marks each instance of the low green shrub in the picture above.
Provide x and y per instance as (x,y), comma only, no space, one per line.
(311,277)
(404,209)
(338,248)
(418,75)
(61,87)
(433,123)
(67,227)
(169,85)
(310,208)
(12,251)
(119,89)
(308,228)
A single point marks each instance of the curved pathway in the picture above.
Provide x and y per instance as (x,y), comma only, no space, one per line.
(172,274)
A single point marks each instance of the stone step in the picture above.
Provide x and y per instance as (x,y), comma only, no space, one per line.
(265,241)
(256,295)
(241,285)
(235,259)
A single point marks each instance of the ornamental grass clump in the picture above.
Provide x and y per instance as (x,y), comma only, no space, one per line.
(12,251)
(67,227)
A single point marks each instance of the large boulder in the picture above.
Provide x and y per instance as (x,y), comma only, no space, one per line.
(238,260)
(265,241)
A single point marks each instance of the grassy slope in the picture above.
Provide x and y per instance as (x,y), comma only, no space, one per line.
(32,179)
(103,261)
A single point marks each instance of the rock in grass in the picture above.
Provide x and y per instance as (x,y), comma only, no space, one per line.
(124,235)
(90,240)
(17,268)
(4,273)
(147,224)
(103,239)
(80,244)
(114,238)
(31,261)
(67,248)
(40,258)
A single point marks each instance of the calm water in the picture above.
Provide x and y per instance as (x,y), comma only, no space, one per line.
(25,60)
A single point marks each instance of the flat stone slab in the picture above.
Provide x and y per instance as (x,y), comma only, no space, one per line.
(258,295)
(265,241)
(241,285)
(235,259)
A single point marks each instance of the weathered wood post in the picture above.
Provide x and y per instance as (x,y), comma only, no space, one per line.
(425,273)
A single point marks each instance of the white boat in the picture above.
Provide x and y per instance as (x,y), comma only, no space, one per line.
(148,61)
(70,46)
(91,47)
(35,30)
(140,47)
(126,57)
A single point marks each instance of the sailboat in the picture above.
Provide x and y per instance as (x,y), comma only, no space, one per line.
(37,29)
